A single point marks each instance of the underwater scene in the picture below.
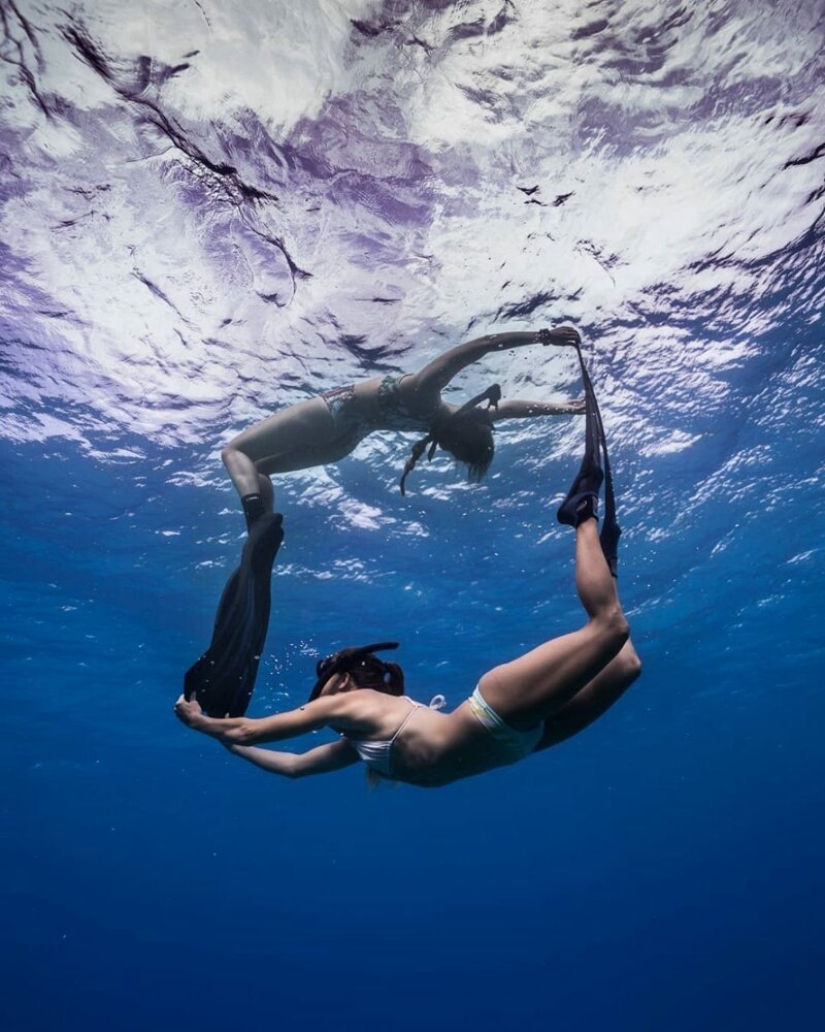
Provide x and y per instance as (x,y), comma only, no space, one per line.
(212,211)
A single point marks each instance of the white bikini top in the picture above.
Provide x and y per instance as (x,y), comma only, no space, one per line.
(377,755)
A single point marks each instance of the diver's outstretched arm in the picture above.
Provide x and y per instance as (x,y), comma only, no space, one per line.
(312,716)
(437,374)
(528,409)
(323,760)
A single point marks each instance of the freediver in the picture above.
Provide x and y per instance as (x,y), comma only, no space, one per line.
(323,430)
(519,708)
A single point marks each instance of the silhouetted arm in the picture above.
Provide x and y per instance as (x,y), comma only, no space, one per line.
(435,376)
(529,409)
(250,731)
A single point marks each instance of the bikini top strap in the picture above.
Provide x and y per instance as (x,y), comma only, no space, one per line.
(413,707)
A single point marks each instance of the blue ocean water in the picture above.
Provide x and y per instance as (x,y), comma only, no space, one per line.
(211,211)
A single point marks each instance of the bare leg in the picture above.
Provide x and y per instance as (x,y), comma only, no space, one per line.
(300,436)
(267,492)
(594,699)
(242,471)
(539,684)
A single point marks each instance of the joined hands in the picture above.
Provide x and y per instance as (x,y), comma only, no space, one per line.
(561,336)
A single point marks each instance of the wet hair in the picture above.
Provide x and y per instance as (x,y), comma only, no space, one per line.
(469,439)
(466,434)
(366,669)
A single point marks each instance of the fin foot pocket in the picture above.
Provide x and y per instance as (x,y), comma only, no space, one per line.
(575,509)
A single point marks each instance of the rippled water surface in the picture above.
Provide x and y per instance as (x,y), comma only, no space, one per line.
(210,210)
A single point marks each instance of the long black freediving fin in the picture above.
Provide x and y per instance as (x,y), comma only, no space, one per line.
(595,470)
(223,678)
(611,531)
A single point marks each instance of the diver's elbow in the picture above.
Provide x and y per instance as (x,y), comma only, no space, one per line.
(290,766)
(242,734)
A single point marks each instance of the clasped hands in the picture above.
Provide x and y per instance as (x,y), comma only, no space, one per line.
(561,336)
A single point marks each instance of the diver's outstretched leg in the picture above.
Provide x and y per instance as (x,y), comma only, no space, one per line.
(296,437)
(267,492)
(537,685)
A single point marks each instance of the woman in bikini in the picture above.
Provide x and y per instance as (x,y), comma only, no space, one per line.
(519,708)
(324,429)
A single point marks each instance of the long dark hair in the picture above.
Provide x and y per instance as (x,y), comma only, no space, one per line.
(467,435)
(380,676)
(366,669)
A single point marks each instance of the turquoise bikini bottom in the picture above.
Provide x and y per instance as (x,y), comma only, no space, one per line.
(514,745)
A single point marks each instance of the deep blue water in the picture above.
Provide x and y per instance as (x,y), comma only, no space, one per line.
(211,212)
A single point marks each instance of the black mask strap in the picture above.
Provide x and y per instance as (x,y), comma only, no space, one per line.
(344,661)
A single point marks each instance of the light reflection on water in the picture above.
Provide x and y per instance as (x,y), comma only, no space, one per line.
(211,212)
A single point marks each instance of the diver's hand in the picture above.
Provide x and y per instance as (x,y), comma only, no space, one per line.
(561,336)
(188,711)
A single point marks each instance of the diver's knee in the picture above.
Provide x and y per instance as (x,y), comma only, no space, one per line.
(630,661)
(613,623)
(230,455)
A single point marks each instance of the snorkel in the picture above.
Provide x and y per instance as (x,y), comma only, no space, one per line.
(350,660)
